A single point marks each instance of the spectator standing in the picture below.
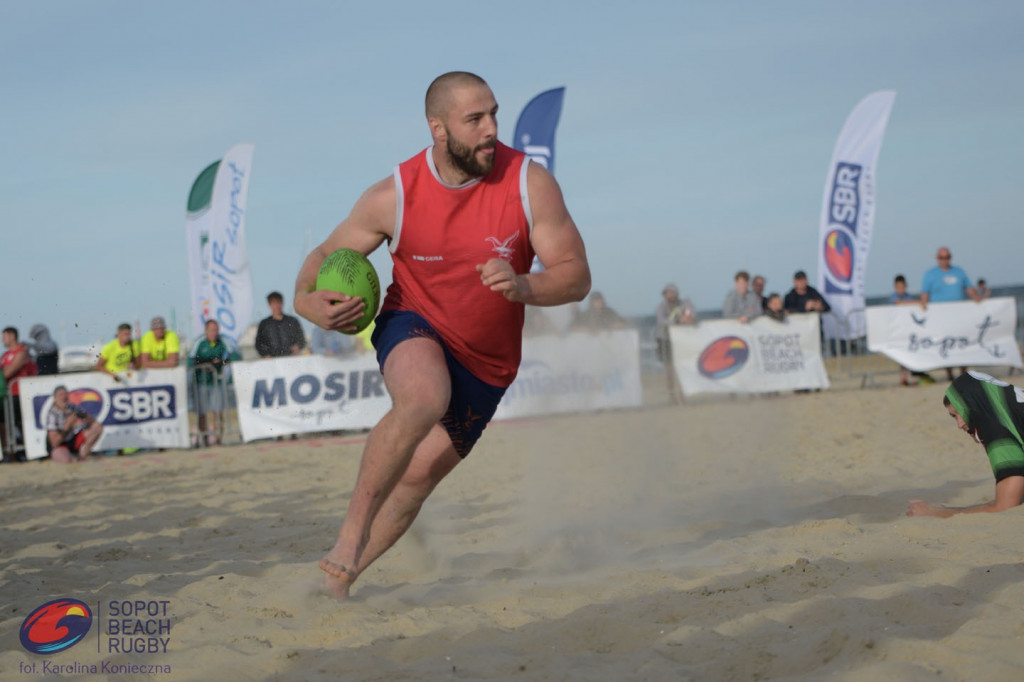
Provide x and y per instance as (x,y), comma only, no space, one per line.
(803,298)
(757,284)
(208,360)
(774,309)
(16,363)
(44,348)
(330,343)
(279,335)
(598,316)
(946,283)
(741,303)
(71,432)
(671,310)
(119,355)
(537,323)
(983,290)
(899,296)
(160,347)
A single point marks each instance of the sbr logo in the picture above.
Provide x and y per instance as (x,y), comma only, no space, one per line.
(723,357)
(839,256)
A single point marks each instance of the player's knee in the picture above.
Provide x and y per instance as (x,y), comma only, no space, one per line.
(420,412)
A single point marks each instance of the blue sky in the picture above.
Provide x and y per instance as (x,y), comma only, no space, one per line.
(694,139)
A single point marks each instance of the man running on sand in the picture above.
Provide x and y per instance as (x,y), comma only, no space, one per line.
(992,413)
(463,220)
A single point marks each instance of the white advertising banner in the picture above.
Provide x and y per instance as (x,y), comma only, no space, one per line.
(962,334)
(727,356)
(308,394)
(145,409)
(579,372)
(197,242)
(229,285)
(848,210)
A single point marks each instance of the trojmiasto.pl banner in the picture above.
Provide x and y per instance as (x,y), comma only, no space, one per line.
(728,356)
(145,409)
(848,212)
(962,334)
(578,372)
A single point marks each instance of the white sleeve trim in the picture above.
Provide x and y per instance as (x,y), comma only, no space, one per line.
(524,194)
(399,208)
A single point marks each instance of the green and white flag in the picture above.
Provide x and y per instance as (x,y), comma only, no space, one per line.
(221,285)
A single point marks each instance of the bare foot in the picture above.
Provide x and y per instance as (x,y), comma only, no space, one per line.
(339,578)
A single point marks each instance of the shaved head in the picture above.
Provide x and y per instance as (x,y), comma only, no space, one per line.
(439,94)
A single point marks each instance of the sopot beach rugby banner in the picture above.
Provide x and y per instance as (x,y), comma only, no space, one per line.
(848,211)
(727,356)
(219,278)
(146,409)
(309,394)
(962,334)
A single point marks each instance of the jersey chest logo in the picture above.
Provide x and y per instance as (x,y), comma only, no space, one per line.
(503,249)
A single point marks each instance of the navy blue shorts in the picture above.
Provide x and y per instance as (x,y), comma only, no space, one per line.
(473,401)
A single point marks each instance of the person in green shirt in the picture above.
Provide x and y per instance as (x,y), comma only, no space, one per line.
(992,413)
(208,360)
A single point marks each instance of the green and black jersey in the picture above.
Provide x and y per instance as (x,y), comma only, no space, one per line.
(994,411)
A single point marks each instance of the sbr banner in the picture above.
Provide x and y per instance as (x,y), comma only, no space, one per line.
(535,130)
(727,356)
(308,394)
(848,210)
(146,409)
(958,334)
(580,372)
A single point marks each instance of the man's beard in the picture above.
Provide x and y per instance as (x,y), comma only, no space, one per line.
(465,159)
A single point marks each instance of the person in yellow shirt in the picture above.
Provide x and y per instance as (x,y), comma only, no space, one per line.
(363,342)
(119,355)
(160,347)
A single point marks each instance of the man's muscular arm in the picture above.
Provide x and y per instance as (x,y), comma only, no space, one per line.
(371,221)
(558,245)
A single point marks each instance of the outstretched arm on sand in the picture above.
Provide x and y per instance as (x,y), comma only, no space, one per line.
(1009,494)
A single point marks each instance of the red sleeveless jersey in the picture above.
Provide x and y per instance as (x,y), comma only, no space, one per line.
(441,234)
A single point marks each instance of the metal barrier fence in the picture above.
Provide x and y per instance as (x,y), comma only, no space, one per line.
(848,356)
(211,400)
(11,445)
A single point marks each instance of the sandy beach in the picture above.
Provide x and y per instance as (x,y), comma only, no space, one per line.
(742,539)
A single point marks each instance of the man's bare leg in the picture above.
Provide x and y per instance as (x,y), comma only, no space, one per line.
(434,459)
(92,434)
(416,376)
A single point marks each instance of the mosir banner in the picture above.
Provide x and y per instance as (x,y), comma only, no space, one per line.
(962,334)
(308,394)
(727,356)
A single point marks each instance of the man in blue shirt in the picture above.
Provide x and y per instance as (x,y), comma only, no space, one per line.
(946,282)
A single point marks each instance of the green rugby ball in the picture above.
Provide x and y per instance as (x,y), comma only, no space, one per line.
(349,272)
